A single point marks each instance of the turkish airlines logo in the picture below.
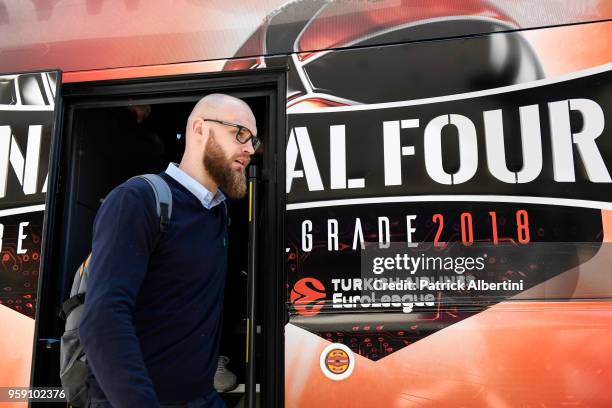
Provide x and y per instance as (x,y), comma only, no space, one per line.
(308,296)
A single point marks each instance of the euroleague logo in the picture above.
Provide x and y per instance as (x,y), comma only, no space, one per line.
(308,296)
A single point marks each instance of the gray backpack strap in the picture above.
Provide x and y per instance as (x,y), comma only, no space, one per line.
(163,198)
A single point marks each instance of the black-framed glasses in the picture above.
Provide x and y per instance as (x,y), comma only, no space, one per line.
(243,134)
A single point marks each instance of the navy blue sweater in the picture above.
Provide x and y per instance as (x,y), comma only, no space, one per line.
(152,316)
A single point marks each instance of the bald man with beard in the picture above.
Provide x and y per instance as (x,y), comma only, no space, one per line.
(152,317)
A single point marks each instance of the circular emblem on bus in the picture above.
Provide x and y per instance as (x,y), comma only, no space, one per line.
(337,361)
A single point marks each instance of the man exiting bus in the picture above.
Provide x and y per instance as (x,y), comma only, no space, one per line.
(152,316)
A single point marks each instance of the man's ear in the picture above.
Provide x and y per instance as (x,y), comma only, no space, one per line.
(199,129)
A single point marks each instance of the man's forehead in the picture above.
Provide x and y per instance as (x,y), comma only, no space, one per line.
(225,108)
(237,114)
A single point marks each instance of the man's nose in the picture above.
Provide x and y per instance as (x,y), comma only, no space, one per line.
(248,147)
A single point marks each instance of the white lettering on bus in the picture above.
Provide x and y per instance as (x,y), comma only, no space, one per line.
(25,168)
(562,141)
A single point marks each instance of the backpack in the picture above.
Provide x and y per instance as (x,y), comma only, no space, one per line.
(73,362)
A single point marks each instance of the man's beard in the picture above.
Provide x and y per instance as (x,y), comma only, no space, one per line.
(232,183)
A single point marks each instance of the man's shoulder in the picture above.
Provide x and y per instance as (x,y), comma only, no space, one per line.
(134,192)
(134,185)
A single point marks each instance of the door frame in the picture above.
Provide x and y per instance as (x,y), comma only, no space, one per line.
(266,82)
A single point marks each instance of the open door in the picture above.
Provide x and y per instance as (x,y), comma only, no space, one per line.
(101,145)
(28,104)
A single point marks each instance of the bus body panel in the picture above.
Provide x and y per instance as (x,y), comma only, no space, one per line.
(544,345)
(26,129)
(476,351)
(41,35)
